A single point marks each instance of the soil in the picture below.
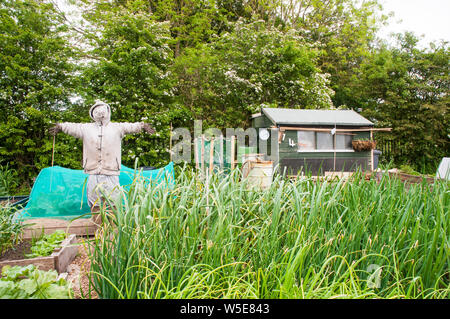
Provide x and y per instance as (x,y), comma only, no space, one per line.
(18,252)
(78,273)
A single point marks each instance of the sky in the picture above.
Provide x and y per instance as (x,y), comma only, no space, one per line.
(430,18)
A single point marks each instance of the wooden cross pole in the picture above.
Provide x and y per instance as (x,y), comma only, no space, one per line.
(232,152)
(371,153)
(211,155)
(196,153)
(202,158)
(170,142)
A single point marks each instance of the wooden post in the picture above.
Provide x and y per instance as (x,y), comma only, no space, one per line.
(196,153)
(221,160)
(371,152)
(287,128)
(232,152)
(207,197)
(334,161)
(211,155)
(53,157)
(170,142)
(202,158)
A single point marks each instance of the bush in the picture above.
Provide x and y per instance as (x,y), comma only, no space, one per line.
(8,180)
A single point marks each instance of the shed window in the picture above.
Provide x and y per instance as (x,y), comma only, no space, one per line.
(344,142)
(306,140)
(323,141)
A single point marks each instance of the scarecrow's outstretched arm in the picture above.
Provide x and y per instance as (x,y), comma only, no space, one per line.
(128,128)
(74,129)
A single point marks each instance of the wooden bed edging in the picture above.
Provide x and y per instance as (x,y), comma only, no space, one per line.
(79,227)
(58,260)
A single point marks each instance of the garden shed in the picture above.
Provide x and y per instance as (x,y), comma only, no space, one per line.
(315,141)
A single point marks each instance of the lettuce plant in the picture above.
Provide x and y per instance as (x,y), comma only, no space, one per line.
(28,282)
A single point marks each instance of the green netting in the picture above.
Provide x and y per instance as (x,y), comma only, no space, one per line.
(60,192)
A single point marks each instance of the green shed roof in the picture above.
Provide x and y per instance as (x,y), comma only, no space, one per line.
(315,117)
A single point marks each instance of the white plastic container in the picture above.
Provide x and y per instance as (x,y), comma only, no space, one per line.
(247,159)
(260,174)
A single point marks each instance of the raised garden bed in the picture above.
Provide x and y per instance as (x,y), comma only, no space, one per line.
(408,178)
(58,260)
(412,178)
(79,227)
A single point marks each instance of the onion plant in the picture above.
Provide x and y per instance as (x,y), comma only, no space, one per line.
(11,230)
(221,238)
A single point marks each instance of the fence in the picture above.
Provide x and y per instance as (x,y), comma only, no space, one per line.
(390,149)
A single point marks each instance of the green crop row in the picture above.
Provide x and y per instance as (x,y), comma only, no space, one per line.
(10,229)
(44,245)
(219,238)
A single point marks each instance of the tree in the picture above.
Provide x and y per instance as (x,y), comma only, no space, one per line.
(343,30)
(225,81)
(407,88)
(190,21)
(36,81)
(130,71)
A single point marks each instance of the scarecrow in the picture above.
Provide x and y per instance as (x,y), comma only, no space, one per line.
(102,149)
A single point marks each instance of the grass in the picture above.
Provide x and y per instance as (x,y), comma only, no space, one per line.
(296,239)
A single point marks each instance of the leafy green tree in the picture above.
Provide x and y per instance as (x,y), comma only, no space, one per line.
(407,88)
(191,22)
(225,81)
(130,71)
(343,30)
(36,82)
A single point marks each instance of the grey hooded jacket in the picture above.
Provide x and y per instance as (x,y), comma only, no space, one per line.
(102,142)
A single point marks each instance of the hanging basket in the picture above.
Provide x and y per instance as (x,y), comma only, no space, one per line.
(363,145)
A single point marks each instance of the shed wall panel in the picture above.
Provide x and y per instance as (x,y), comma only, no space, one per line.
(287,151)
(317,166)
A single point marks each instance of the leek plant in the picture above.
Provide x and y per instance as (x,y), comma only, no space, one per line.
(11,230)
(296,239)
